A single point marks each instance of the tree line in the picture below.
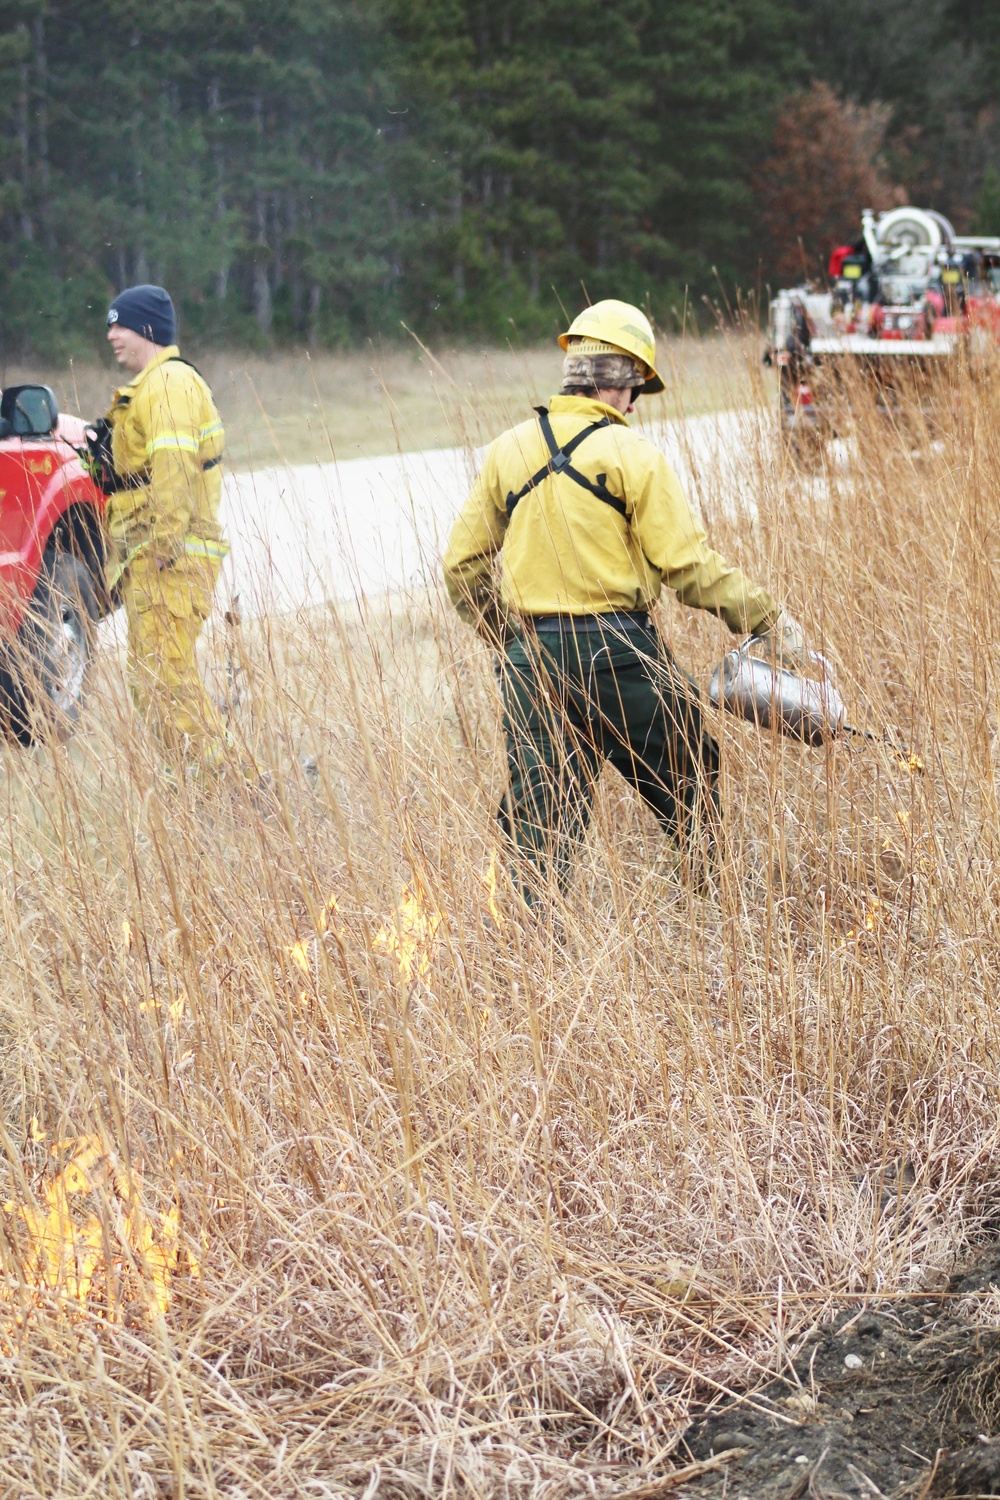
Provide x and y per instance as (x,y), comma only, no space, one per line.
(322,170)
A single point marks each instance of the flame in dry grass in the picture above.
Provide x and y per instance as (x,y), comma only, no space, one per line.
(299,954)
(330,909)
(175,1008)
(69,1253)
(872,918)
(910,761)
(410,936)
(492,885)
(412,933)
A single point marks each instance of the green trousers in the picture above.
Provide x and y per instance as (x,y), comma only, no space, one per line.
(577,694)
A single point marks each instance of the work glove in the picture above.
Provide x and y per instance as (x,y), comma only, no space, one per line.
(786,640)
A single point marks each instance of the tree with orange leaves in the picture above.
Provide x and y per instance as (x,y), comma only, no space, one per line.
(824,167)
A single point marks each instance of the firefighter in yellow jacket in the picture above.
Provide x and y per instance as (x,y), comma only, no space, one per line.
(165,446)
(590,522)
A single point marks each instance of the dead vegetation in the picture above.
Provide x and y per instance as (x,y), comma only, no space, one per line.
(296,408)
(437,1201)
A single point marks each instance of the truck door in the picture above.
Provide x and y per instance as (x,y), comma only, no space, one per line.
(27,469)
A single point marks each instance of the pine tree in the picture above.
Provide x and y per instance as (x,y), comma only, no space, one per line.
(721,68)
(318,169)
(600,149)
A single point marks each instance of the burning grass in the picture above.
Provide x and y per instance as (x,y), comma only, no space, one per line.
(76,1260)
(330,1173)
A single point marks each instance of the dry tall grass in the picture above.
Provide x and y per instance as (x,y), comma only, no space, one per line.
(460,1211)
(293,408)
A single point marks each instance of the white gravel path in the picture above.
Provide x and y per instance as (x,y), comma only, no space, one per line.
(367,527)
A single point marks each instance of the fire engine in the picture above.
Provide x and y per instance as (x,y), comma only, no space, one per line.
(905,298)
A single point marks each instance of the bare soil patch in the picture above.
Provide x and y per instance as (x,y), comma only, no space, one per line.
(897,1399)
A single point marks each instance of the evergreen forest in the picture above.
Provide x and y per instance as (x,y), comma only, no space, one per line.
(314,171)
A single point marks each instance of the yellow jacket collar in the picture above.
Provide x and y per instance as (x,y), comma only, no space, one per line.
(585,406)
(170,351)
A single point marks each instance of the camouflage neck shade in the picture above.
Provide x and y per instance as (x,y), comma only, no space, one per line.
(600,372)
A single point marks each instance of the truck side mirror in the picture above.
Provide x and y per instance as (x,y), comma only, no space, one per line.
(28,411)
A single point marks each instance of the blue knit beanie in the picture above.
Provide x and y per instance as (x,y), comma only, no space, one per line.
(147,310)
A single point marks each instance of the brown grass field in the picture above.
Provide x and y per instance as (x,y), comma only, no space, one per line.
(328,1173)
(293,408)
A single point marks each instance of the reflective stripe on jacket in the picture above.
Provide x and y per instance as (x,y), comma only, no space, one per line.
(564,551)
(167,442)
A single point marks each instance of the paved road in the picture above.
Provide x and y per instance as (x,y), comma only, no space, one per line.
(371,526)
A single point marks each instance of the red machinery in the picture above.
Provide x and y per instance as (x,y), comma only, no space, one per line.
(906,295)
(52,587)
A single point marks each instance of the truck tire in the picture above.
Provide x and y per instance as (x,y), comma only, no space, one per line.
(45,669)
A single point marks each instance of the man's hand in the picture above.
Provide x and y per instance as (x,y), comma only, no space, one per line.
(786,639)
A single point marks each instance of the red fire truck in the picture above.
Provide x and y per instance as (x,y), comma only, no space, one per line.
(901,301)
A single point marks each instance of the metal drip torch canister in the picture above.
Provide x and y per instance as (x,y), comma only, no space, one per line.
(803,708)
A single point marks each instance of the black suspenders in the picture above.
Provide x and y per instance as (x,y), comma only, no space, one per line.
(559,463)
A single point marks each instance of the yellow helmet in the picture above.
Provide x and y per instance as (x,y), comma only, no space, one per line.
(624,328)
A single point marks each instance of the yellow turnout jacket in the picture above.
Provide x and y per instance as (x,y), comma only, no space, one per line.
(566,551)
(167,441)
